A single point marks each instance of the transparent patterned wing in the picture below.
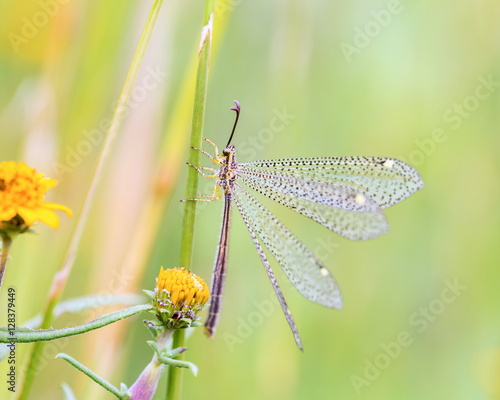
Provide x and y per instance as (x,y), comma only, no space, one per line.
(386,181)
(301,266)
(331,194)
(270,274)
(330,205)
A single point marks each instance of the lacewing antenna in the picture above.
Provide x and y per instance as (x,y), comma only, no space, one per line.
(236,108)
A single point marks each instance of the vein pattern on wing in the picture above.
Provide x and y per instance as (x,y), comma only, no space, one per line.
(386,181)
(318,204)
(270,274)
(301,266)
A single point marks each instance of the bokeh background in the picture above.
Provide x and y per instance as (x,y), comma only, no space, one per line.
(415,80)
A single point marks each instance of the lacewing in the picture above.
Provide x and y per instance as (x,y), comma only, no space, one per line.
(344,194)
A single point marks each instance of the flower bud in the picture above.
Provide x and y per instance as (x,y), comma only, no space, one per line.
(179,295)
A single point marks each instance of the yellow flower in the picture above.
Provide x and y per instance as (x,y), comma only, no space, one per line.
(22,191)
(179,295)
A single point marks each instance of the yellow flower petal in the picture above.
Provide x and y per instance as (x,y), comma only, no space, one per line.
(7,213)
(183,287)
(22,192)
(28,215)
(48,217)
(46,183)
(59,207)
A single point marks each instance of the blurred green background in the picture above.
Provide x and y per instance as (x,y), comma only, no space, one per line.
(415,80)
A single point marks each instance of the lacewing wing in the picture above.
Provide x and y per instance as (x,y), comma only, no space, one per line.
(344,194)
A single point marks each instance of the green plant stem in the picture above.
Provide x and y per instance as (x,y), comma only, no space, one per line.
(61,277)
(200,96)
(174,381)
(79,304)
(92,375)
(27,335)
(6,243)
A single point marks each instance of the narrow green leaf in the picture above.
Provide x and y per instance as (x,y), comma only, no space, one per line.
(92,375)
(27,336)
(84,303)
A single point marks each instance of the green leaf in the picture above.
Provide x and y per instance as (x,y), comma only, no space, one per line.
(27,336)
(179,364)
(96,378)
(84,303)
